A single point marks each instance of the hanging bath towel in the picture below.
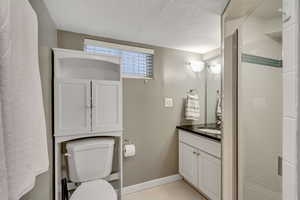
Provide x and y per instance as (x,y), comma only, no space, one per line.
(192,107)
(23,144)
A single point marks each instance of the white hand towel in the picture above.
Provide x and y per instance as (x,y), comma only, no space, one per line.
(192,107)
(23,144)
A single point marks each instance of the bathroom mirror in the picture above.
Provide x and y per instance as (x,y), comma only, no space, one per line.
(213,88)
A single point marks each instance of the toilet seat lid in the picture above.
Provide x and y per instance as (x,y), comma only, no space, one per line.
(94,190)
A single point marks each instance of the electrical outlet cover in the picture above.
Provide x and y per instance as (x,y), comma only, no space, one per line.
(168,102)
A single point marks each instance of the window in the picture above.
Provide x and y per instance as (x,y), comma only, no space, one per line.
(136,62)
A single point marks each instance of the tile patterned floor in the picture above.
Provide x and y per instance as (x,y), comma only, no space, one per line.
(178,190)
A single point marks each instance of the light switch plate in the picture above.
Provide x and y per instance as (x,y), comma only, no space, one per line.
(168,102)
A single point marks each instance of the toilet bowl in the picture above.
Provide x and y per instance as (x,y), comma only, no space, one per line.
(94,190)
(89,162)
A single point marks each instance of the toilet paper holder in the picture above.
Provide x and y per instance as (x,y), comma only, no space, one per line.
(126,145)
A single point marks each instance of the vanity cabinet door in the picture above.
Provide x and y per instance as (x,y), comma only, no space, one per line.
(209,175)
(106,106)
(188,163)
(72,100)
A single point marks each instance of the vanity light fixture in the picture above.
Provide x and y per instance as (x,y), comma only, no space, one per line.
(196,66)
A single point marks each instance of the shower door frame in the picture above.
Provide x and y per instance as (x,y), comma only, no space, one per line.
(235,193)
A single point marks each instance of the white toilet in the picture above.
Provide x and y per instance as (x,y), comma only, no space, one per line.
(89,162)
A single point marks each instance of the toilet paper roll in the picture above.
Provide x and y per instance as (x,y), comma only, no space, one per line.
(129,150)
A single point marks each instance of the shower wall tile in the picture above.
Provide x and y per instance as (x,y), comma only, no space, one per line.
(290,94)
(290,48)
(289,143)
(290,99)
(290,8)
(289,181)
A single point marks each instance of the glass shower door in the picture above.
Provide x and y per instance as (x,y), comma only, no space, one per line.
(260,104)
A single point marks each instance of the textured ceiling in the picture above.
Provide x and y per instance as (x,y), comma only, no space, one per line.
(269,9)
(241,8)
(266,9)
(191,25)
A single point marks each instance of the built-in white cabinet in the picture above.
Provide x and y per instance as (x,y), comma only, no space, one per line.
(87,106)
(73,109)
(87,93)
(200,163)
(87,103)
(106,106)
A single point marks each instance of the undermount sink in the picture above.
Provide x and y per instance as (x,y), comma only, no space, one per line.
(212,131)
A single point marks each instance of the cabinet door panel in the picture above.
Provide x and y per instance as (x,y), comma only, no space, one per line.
(106,106)
(188,163)
(72,107)
(209,175)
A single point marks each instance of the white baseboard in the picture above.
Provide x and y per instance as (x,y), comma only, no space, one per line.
(151,184)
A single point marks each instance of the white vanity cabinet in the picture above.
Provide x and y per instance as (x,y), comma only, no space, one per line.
(200,163)
(188,163)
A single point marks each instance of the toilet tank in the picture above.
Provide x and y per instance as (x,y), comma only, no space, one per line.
(90,159)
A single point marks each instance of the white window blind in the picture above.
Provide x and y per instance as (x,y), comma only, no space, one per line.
(136,62)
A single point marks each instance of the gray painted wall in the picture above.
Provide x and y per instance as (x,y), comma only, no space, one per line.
(147,123)
(47,40)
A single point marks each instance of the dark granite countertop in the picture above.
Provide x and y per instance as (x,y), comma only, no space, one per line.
(196,129)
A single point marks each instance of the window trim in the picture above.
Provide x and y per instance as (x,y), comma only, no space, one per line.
(137,77)
(117,46)
(124,48)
